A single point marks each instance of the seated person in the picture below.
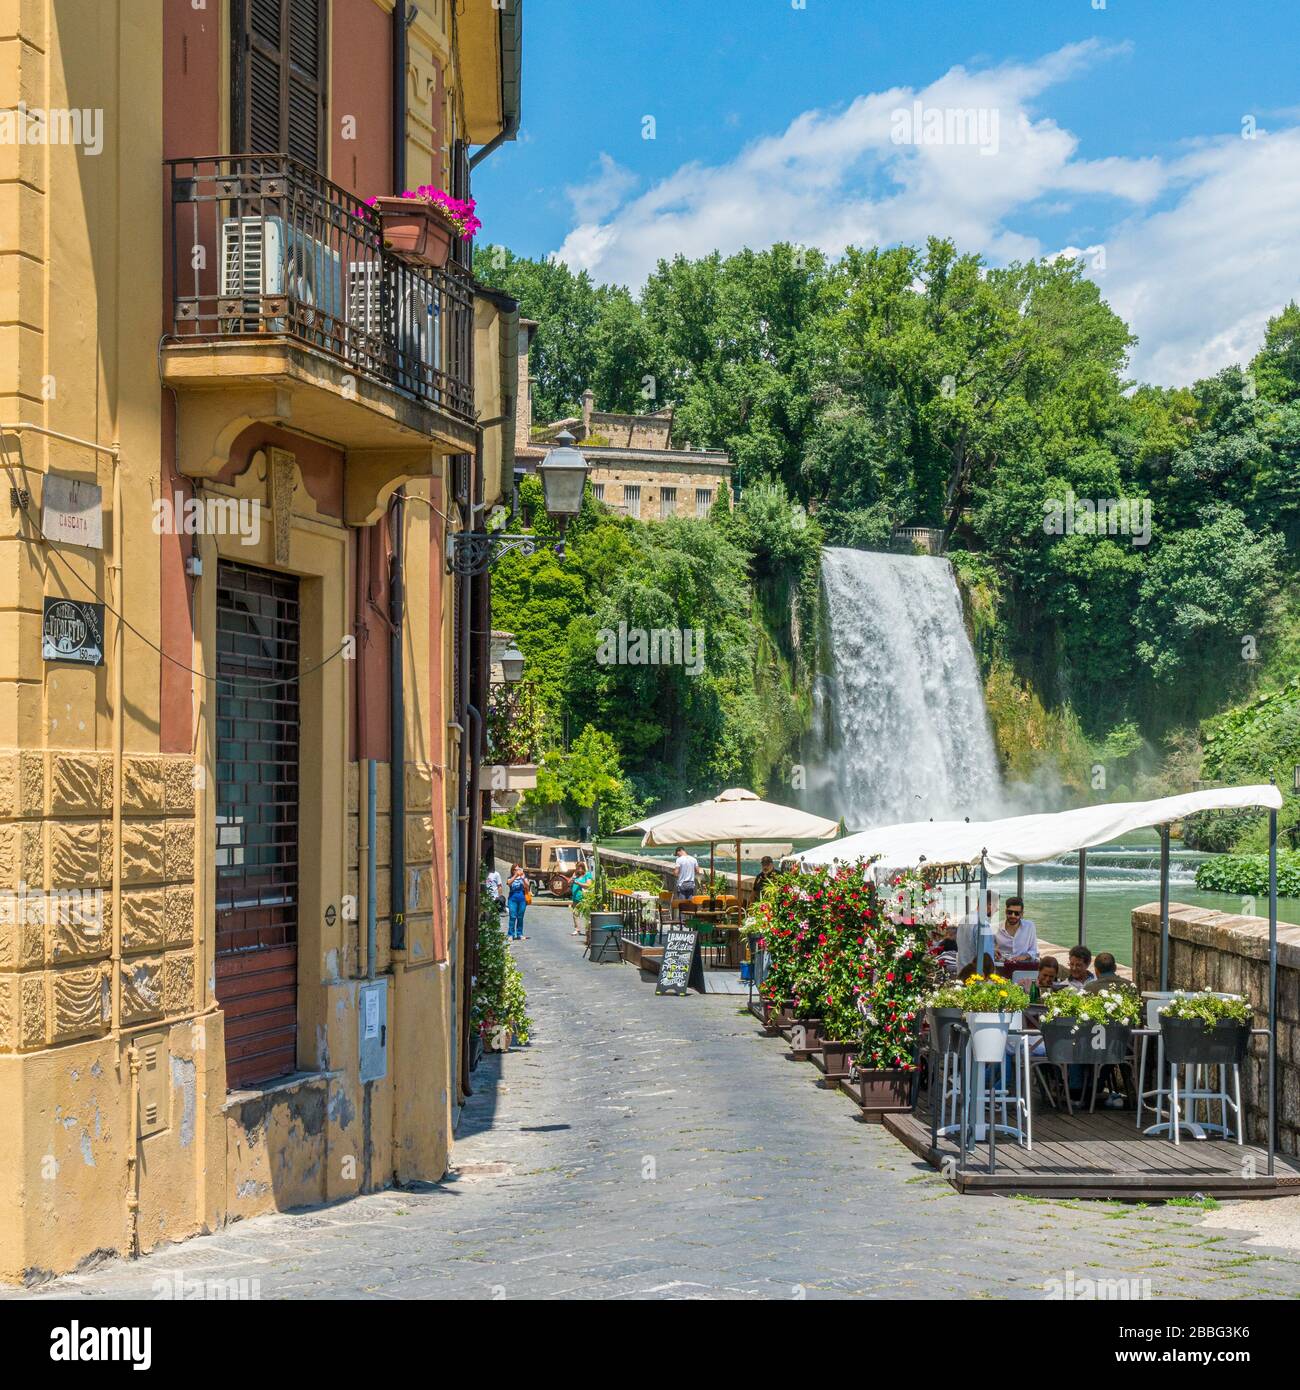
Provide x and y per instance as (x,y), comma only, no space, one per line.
(1079,974)
(1017,937)
(968,969)
(1107,974)
(945,952)
(1049,978)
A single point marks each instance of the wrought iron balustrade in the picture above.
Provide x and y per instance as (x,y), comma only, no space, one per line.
(264,247)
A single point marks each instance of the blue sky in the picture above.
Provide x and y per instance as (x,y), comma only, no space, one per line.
(1115,132)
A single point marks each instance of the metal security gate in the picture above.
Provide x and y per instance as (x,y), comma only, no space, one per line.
(257,821)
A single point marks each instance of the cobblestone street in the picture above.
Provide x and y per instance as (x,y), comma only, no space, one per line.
(662,1147)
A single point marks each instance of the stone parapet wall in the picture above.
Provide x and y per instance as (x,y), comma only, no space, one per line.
(1222,952)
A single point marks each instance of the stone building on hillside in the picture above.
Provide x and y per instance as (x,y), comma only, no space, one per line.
(634,467)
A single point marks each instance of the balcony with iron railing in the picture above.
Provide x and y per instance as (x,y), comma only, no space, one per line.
(282,287)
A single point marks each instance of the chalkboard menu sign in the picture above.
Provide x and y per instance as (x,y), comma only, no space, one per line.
(681,967)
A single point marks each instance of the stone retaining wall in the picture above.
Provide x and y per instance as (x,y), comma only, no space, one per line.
(1215,950)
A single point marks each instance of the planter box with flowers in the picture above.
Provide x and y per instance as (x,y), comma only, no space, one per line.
(991,1008)
(418,227)
(1079,1027)
(1206,1030)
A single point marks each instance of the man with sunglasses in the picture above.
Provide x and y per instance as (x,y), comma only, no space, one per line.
(1017,937)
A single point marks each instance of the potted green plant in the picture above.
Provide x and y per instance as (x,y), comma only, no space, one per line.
(498,1004)
(1079,1026)
(942,1009)
(992,1008)
(1206,1030)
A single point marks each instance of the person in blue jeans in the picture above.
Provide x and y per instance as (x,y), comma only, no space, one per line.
(516,902)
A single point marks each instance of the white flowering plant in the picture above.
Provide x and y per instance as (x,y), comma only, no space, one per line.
(1116,1006)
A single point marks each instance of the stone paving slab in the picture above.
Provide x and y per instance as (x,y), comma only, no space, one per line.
(648,1147)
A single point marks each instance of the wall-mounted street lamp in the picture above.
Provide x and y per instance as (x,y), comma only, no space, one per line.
(564,475)
(512,665)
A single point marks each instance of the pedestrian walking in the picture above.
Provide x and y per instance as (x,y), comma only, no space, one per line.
(518,897)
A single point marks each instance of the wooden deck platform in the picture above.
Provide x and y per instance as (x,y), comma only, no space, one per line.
(1102,1155)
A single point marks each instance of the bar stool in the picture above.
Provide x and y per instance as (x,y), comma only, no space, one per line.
(1010,1102)
(1200,1090)
(1156,1000)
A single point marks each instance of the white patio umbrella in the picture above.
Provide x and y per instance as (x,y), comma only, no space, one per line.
(734,815)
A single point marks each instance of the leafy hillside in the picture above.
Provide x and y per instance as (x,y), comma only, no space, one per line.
(1128,553)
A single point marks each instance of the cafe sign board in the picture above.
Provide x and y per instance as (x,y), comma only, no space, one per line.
(680,968)
(73,631)
(72,511)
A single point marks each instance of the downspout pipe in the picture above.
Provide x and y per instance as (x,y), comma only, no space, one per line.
(397,726)
(396,585)
(400,22)
(466,870)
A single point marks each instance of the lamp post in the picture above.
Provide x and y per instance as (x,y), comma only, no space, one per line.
(512,665)
(564,475)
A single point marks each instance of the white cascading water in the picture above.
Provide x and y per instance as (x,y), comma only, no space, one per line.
(907,734)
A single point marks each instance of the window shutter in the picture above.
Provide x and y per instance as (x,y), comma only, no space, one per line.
(305,113)
(279,97)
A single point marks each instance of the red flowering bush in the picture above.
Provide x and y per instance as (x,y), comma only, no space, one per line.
(833,947)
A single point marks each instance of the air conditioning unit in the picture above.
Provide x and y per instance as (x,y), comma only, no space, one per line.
(276,278)
(393,322)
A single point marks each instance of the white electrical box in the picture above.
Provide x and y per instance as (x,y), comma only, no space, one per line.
(372,1026)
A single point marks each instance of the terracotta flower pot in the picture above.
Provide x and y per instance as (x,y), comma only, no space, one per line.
(415,231)
(833,1058)
(880,1092)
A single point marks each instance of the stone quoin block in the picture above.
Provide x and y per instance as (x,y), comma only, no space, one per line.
(81,784)
(142,920)
(76,854)
(179,856)
(419,787)
(82,1002)
(31,1012)
(419,839)
(142,988)
(178,915)
(178,982)
(71,939)
(142,784)
(178,786)
(142,851)
(8,1012)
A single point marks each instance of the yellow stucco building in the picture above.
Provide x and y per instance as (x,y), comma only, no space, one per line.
(238,860)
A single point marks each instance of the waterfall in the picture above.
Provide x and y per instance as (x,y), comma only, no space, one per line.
(904,725)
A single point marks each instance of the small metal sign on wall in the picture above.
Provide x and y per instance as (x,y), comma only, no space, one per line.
(73,631)
(72,511)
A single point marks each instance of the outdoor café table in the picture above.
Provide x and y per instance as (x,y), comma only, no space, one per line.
(1023,1040)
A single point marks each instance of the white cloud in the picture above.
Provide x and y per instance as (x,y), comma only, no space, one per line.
(1196,257)
(601,194)
(1199,280)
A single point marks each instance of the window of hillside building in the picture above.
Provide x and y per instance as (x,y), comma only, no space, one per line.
(278,102)
(632,499)
(703,501)
(668,501)
(599,490)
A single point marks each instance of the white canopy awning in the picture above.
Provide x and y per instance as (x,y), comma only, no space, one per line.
(1002,844)
(736,814)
